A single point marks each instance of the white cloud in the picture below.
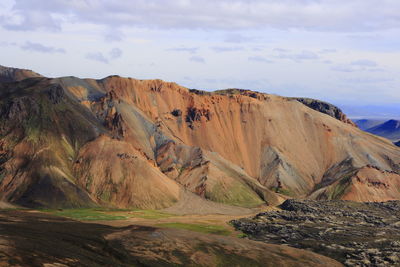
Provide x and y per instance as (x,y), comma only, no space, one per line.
(368,80)
(197,59)
(281,50)
(364,63)
(298,57)
(327,61)
(327,51)
(28,20)
(312,15)
(358,65)
(115,53)
(260,59)
(37,47)
(220,49)
(97,56)
(344,68)
(238,38)
(191,50)
(114,35)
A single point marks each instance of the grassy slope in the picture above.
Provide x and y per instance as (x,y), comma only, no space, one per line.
(236,194)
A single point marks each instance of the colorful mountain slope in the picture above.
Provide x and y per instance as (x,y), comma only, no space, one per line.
(146,143)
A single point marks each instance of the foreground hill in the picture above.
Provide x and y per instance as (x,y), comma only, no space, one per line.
(70,142)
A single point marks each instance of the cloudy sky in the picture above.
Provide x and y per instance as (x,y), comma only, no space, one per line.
(345,52)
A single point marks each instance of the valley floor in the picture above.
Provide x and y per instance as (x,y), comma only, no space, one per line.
(166,219)
(32,238)
(353,233)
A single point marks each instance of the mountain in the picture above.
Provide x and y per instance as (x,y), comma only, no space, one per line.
(389,129)
(365,124)
(123,142)
(13,74)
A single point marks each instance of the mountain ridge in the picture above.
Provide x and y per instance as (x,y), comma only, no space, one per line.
(8,74)
(143,143)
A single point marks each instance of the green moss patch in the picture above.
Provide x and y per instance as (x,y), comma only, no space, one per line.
(149,214)
(86,214)
(236,194)
(201,228)
(105,214)
(340,189)
(283,191)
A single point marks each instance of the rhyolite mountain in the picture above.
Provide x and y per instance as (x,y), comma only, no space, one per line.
(123,142)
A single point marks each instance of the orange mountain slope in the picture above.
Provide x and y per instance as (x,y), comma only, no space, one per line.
(145,143)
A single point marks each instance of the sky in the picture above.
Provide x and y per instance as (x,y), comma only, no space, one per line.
(341,51)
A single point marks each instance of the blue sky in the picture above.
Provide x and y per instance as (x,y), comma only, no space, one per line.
(341,51)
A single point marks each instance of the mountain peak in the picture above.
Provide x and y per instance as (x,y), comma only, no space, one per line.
(8,74)
(389,129)
(395,124)
(390,125)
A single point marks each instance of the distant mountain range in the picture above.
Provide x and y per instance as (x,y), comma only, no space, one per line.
(365,124)
(375,112)
(389,129)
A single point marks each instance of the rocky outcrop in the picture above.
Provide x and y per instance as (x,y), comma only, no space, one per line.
(356,234)
(55,93)
(326,108)
(194,114)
